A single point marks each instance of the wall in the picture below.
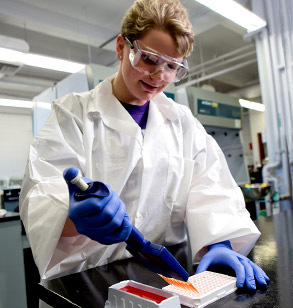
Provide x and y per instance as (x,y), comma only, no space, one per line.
(15,138)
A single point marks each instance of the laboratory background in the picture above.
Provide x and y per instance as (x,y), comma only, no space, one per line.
(239,86)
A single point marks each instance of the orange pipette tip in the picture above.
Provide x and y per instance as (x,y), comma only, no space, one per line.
(185,285)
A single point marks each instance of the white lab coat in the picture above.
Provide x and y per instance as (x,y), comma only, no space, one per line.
(176,173)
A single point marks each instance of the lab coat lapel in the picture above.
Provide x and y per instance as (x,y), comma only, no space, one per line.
(155,120)
(106,108)
(160,110)
(112,113)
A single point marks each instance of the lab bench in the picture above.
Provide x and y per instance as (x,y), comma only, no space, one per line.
(273,252)
(18,273)
(10,198)
(12,269)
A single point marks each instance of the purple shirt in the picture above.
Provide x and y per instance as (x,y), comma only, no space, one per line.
(138,113)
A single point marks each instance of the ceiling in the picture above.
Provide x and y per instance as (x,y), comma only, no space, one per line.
(85,30)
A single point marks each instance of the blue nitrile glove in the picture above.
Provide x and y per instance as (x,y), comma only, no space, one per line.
(98,213)
(246,271)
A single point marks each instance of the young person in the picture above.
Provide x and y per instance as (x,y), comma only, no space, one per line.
(165,170)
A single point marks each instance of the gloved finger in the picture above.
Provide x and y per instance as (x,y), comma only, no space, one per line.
(70,174)
(239,270)
(110,221)
(114,207)
(249,274)
(85,206)
(96,213)
(121,234)
(204,264)
(260,276)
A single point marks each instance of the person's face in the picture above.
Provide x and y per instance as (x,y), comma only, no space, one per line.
(133,86)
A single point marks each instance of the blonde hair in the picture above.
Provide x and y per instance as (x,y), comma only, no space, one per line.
(167,15)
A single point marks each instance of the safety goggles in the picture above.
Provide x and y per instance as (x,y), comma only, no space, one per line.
(149,62)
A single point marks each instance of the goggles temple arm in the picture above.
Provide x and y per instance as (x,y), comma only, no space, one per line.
(128,41)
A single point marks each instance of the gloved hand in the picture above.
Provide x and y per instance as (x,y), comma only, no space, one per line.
(246,271)
(98,212)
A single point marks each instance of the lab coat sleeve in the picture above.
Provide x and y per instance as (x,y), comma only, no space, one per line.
(216,209)
(44,194)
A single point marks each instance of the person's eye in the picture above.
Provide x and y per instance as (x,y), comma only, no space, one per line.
(150,59)
(172,66)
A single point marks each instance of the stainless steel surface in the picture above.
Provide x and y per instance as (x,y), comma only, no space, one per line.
(255,191)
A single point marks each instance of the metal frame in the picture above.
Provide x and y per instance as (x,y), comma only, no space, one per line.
(275,54)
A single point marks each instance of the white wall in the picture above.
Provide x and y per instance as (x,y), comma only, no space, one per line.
(15,138)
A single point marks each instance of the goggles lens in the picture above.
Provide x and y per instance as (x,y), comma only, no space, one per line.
(149,62)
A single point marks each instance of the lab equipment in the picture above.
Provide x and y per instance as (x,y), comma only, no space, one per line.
(3,212)
(255,191)
(15,182)
(3,183)
(258,197)
(211,286)
(99,214)
(10,199)
(222,117)
(181,284)
(129,293)
(215,109)
(155,257)
(246,271)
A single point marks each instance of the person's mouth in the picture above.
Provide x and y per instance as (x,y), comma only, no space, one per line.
(148,86)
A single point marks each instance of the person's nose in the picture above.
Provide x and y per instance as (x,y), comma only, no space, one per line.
(158,74)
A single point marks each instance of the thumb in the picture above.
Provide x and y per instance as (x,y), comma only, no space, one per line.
(69,175)
(204,264)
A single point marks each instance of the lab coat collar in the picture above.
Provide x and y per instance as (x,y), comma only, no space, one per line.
(166,106)
(105,105)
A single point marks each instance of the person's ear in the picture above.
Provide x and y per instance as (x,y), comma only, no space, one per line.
(119,47)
